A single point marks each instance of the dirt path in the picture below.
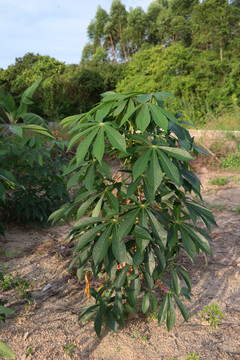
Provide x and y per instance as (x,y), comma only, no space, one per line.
(50,323)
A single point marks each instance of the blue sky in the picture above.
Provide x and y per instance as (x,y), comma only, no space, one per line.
(57,28)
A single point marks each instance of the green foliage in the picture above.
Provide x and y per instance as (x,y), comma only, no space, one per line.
(38,166)
(131,225)
(212,312)
(231,160)
(219,181)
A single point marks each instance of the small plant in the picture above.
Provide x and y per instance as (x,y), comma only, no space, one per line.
(152,315)
(238,209)
(118,349)
(192,356)
(29,350)
(68,349)
(211,312)
(219,181)
(135,335)
(22,286)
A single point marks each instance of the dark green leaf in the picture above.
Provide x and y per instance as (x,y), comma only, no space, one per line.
(169,168)
(88,236)
(84,146)
(176,282)
(140,165)
(177,153)
(98,324)
(111,321)
(171,317)
(89,178)
(143,118)
(145,303)
(101,247)
(118,247)
(127,224)
(99,145)
(115,138)
(160,257)
(182,308)
(16,130)
(121,277)
(158,230)
(158,117)
(188,244)
(185,277)
(154,302)
(162,313)
(154,174)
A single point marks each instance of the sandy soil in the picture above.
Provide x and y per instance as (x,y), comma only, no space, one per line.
(50,322)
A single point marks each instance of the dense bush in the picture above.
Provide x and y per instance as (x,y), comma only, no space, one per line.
(38,167)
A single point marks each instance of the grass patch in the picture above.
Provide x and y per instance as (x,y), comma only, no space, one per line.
(231,161)
(219,181)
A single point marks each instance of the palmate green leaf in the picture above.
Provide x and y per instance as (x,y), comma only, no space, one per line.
(79,136)
(111,321)
(142,233)
(171,316)
(118,246)
(185,277)
(188,244)
(180,154)
(6,311)
(154,175)
(70,120)
(158,230)
(96,210)
(99,145)
(182,308)
(138,257)
(148,191)
(89,177)
(149,261)
(121,105)
(84,222)
(130,111)
(103,112)
(198,238)
(201,212)
(169,168)
(38,129)
(113,200)
(147,277)
(6,352)
(132,187)
(140,165)
(176,282)
(73,179)
(17,130)
(169,115)
(115,138)
(98,324)
(158,117)
(154,302)
(160,257)
(162,313)
(84,146)
(101,247)
(85,206)
(143,118)
(121,277)
(126,226)
(82,258)
(88,236)
(145,303)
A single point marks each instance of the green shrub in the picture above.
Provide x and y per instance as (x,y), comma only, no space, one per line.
(38,166)
(219,181)
(137,220)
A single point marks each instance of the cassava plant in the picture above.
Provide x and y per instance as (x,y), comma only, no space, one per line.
(131,224)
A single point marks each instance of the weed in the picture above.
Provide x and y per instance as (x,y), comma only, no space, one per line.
(22,287)
(238,209)
(118,349)
(135,335)
(29,350)
(192,356)
(152,316)
(68,349)
(219,181)
(143,338)
(211,312)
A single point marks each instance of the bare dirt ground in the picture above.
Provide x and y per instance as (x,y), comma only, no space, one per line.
(50,322)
